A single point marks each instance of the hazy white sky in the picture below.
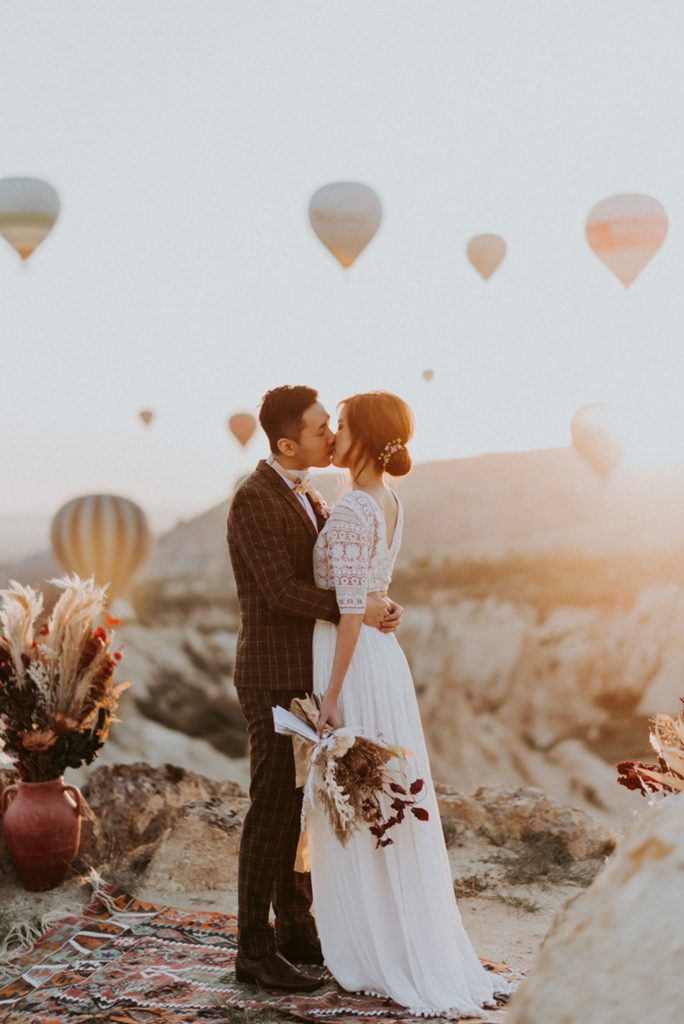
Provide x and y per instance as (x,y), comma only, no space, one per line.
(185,139)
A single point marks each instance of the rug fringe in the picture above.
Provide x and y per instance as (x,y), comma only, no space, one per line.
(22,935)
(99,887)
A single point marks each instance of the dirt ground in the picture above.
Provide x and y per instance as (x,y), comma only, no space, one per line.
(505,922)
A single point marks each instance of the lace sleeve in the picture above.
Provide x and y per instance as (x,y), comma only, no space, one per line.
(350,548)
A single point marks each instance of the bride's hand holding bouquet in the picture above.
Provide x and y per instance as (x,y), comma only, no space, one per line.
(329,715)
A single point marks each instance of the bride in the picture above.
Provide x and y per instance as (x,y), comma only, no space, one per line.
(387,918)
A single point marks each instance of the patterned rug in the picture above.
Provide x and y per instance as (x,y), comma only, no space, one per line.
(129,962)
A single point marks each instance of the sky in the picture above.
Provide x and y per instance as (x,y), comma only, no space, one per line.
(185,140)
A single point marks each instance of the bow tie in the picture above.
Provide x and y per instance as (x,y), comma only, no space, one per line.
(301,481)
(303,486)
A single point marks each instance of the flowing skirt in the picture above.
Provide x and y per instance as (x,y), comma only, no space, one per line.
(387,918)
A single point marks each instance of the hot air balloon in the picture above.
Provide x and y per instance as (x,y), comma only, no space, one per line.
(625,232)
(345,216)
(28,211)
(242,425)
(595,438)
(101,535)
(428,375)
(146,415)
(486,252)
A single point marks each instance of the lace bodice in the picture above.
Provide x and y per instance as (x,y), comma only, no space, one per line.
(351,554)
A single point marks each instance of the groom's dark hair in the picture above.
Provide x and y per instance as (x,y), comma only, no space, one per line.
(282,412)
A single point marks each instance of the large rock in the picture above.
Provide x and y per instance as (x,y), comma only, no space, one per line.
(527,815)
(200,849)
(614,955)
(516,843)
(136,803)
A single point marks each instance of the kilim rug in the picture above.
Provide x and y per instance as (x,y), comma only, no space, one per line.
(129,962)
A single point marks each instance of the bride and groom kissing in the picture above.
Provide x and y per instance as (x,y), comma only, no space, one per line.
(315,617)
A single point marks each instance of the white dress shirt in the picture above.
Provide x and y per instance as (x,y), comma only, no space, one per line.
(304,501)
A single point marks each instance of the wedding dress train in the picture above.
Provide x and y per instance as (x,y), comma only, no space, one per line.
(387,918)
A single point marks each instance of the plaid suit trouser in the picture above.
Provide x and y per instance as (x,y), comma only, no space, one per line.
(270,834)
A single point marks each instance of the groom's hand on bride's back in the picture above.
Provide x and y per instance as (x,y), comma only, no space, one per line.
(377,607)
(381,613)
(392,619)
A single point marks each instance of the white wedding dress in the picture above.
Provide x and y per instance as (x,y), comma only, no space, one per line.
(387,918)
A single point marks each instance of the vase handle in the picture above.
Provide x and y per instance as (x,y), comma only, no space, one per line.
(6,795)
(75,795)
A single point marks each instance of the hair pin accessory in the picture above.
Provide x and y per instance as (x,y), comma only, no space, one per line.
(390,448)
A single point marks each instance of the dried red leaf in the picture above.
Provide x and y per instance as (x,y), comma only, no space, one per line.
(416,786)
(420,813)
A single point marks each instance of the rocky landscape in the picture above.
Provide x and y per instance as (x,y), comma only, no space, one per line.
(510,693)
(612,956)
(544,623)
(170,835)
(588,918)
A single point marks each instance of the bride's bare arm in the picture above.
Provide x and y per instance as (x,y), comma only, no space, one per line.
(347,637)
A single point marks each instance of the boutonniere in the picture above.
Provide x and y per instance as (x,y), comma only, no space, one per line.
(321,508)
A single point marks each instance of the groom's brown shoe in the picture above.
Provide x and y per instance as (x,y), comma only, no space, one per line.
(301,951)
(274,971)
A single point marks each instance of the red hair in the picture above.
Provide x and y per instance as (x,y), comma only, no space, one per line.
(378,420)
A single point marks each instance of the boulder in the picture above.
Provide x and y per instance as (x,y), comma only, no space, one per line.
(136,803)
(614,954)
(524,814)
(199,850)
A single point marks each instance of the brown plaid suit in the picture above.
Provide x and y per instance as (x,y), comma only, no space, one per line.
(271,539)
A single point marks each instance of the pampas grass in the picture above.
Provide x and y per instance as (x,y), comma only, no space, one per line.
(56,692)
(20,608)
(68,629)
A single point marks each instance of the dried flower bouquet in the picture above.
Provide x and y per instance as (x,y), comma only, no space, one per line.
(666,777)
(56,678)
(349,777)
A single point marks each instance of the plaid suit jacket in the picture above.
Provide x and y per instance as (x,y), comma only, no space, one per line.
(271,540)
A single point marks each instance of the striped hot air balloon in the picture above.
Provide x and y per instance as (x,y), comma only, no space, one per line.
(626,231)
(28,211)
(102,535)
(345,215)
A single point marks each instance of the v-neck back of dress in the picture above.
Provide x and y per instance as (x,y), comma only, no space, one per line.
(351,554)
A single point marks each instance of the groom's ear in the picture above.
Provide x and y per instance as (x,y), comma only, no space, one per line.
(286,447)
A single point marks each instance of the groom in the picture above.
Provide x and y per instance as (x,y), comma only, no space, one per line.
(273,523)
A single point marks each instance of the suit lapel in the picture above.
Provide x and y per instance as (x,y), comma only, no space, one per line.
(275,481)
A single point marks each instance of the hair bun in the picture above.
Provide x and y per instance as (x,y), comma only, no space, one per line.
(399,462)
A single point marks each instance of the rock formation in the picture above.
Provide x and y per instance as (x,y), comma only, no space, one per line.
(177,832)
(613,956)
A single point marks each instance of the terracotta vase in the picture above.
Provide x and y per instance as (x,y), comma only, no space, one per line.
(42,826)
